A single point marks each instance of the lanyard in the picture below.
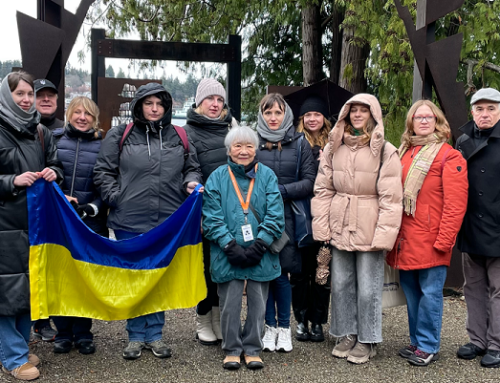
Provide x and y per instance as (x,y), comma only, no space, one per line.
(244,204)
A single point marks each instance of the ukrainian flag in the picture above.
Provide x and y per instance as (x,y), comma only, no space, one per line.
(76,272)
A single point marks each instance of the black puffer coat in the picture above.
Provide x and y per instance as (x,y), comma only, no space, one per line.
(145,182)
(208,137)
(284,165)
(78,152)
(20,152)
(481,226)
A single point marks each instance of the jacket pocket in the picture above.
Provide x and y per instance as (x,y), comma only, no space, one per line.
(367,217)
(423,217)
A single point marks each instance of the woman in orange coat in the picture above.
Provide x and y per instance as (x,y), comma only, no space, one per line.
(434,200)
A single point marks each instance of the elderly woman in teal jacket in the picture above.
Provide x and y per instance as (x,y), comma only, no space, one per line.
(242,216)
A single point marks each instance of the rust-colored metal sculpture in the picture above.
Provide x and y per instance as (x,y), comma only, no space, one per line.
(438,61)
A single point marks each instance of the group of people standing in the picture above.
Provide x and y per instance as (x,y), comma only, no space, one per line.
(367,199)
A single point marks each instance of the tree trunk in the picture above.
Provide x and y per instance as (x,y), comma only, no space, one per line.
(312,53)
(335,64)
(353,63)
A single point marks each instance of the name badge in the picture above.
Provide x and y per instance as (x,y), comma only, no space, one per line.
(247,232)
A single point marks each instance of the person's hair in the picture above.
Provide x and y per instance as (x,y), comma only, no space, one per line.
(91,108)
(492,102)
(166,101)
(222,115)
(15,77)
(241,135)
(370,124)
(270,99)
(443,130)
(322,138)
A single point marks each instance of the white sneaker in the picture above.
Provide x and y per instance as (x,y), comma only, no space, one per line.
(284,343)
(269,339)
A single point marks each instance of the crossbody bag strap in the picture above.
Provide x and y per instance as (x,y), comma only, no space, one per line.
(299,157)
(42,140)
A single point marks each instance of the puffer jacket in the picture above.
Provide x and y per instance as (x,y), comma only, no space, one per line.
(145,182)
(78,152)
(20,152)
(284,164)
(426,240)
(358,207)
(223,217)
(208,137)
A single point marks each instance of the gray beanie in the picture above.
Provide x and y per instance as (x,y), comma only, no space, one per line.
(209,87)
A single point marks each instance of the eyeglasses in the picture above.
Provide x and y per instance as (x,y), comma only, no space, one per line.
(422,118)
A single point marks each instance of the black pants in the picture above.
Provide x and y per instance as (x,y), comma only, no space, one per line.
(73,328)
(212,299)
(310,301)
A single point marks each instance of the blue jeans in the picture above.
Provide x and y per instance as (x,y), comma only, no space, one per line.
(147,328)
(280,298)
(424,296)
(14,338)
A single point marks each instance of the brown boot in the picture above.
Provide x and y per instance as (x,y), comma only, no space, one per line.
(231,362)
(25,372)
(33,359)
(253,362)
(362,352)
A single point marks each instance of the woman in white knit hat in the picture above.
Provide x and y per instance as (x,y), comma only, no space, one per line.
(207,124)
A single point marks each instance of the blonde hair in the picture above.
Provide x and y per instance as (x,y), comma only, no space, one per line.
(89,106)
(443,130)
(322,138)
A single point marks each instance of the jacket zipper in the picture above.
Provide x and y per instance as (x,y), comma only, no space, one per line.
(74,167)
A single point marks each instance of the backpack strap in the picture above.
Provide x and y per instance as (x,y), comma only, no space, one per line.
(184,138)
(444,159)
(125,134)
(41,137)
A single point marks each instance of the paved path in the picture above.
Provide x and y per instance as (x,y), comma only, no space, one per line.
(308,362)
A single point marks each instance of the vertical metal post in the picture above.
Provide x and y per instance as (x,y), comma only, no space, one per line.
(234,77)
(98,62)
(422,86)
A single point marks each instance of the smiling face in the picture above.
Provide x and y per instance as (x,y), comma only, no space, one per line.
(23,95)
(211,106)
(273,116)
(152,108)
(46,102)
(485,114)
(424,121)
(242,153)
(81,119)
(313,122)
(359,115)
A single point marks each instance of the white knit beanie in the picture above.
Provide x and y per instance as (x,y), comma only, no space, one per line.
(209,87)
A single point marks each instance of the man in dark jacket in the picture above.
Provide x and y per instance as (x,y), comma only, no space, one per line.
(46,103)
(144,174)
(479,238)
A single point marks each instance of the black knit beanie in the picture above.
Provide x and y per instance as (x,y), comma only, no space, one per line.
(314,104)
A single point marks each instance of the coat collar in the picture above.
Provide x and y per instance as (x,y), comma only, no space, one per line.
(468,129)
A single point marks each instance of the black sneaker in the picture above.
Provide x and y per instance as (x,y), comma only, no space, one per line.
(491,359)
(62,346)
(302,333)
(45,333)
(133,350)
(159,349)
(469,351)
(85,347)
(317,333)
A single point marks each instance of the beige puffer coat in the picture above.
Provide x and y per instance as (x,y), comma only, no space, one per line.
(350,208)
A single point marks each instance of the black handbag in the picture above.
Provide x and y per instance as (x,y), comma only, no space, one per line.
(302,211)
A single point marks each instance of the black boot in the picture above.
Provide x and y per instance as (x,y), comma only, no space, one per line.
(302,333)
(317,333)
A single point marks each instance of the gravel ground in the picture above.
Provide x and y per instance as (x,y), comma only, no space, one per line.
(308,362)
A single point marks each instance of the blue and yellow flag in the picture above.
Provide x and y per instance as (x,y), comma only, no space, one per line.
(76,272)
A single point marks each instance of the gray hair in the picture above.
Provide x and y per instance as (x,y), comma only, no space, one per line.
(241,135)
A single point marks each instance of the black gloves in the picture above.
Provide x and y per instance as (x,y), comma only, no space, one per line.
(235,254)
(251,256)
(254,252)
(83,210)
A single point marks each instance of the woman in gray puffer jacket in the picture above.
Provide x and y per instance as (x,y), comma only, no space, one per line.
(144,174)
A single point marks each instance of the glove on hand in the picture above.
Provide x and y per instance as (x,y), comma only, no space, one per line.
(235,254)
(83,210)
(254,252)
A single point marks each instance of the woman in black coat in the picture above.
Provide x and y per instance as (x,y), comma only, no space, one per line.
(310,300)
(78,145)
(279,150)
(207,124)
(27,153)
